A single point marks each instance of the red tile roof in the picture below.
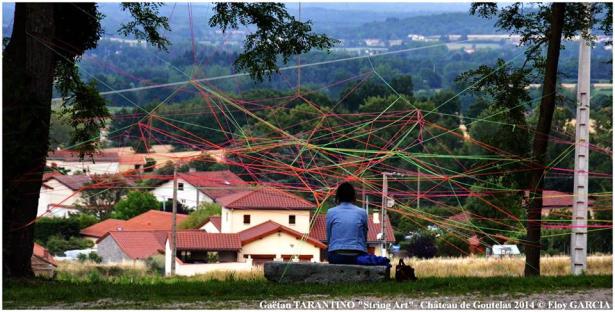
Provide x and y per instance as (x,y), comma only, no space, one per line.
(199,240)
(319,229)
(557,199)
(43,254)
(463,217)
(138,244)
(267,228)
(152,220)
(214,184)
(131,159)
(101,228)
(67,155)
(73,182)
(215,220)
(264,198)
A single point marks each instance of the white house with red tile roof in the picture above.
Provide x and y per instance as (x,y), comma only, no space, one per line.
(194,188)
(212,224)
(59,194)
(99,163)
(256,205)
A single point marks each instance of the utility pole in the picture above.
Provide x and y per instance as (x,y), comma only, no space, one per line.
(578,244)
(418,187)
(174,222)
(385,199)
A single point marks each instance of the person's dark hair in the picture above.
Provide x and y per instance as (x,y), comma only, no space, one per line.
(345,193)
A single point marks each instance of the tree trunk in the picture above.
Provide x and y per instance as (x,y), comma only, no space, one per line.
(28,69)
(541,137)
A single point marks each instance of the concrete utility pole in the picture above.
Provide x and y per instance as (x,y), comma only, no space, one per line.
(578,244)
(385,199)
(174,222)
(385,205)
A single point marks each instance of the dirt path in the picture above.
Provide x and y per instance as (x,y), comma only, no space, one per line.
(586,299)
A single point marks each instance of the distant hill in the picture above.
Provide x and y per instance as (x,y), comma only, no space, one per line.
(434,24)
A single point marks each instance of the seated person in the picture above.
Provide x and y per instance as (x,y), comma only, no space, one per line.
(347,231)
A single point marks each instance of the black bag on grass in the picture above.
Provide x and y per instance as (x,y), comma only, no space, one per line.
(404,272)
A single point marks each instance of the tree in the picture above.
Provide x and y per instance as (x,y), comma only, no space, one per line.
(422,245)
(47,41)
(102,194)
(134,204)
(543,25)
(197,218)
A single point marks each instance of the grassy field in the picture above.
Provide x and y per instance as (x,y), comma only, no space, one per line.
(136,287)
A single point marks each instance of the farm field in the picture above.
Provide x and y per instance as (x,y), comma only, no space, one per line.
(84,286)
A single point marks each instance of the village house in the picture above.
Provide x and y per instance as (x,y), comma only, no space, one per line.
(271,225)
(98,163)
(194,188)
(152,220)
(129,246)
(43,263)
(256,224)
(555,200)
(59,194)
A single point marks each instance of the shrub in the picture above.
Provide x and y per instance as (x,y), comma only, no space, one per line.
(422,245)
(57,245)
(46,227)
(94,257)
(82,257)
(198,217)
(155,264)
(452,245)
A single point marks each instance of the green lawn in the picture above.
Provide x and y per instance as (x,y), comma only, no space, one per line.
(149,292)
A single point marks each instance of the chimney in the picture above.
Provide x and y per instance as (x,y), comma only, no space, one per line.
(376,217)
(191,169)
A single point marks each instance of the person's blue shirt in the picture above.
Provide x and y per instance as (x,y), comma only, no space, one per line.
(347,228)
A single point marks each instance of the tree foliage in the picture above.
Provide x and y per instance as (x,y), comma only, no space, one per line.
(197,218)
(134,204)
(277,35)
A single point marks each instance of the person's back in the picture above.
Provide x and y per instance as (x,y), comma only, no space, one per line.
(347,228)
(347,231)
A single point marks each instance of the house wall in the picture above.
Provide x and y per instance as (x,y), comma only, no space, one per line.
(194,269)
(87,166)
(110,251)
(280,244)
(42,268)
(209,228)
(59,195)
(187,196)
(232,220)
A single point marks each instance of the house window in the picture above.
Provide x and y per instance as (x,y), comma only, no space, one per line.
(137,167)
(291,219)
(246,219)
(180,186)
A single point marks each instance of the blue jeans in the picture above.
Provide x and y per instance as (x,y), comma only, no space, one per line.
(335,258)
(362,258)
